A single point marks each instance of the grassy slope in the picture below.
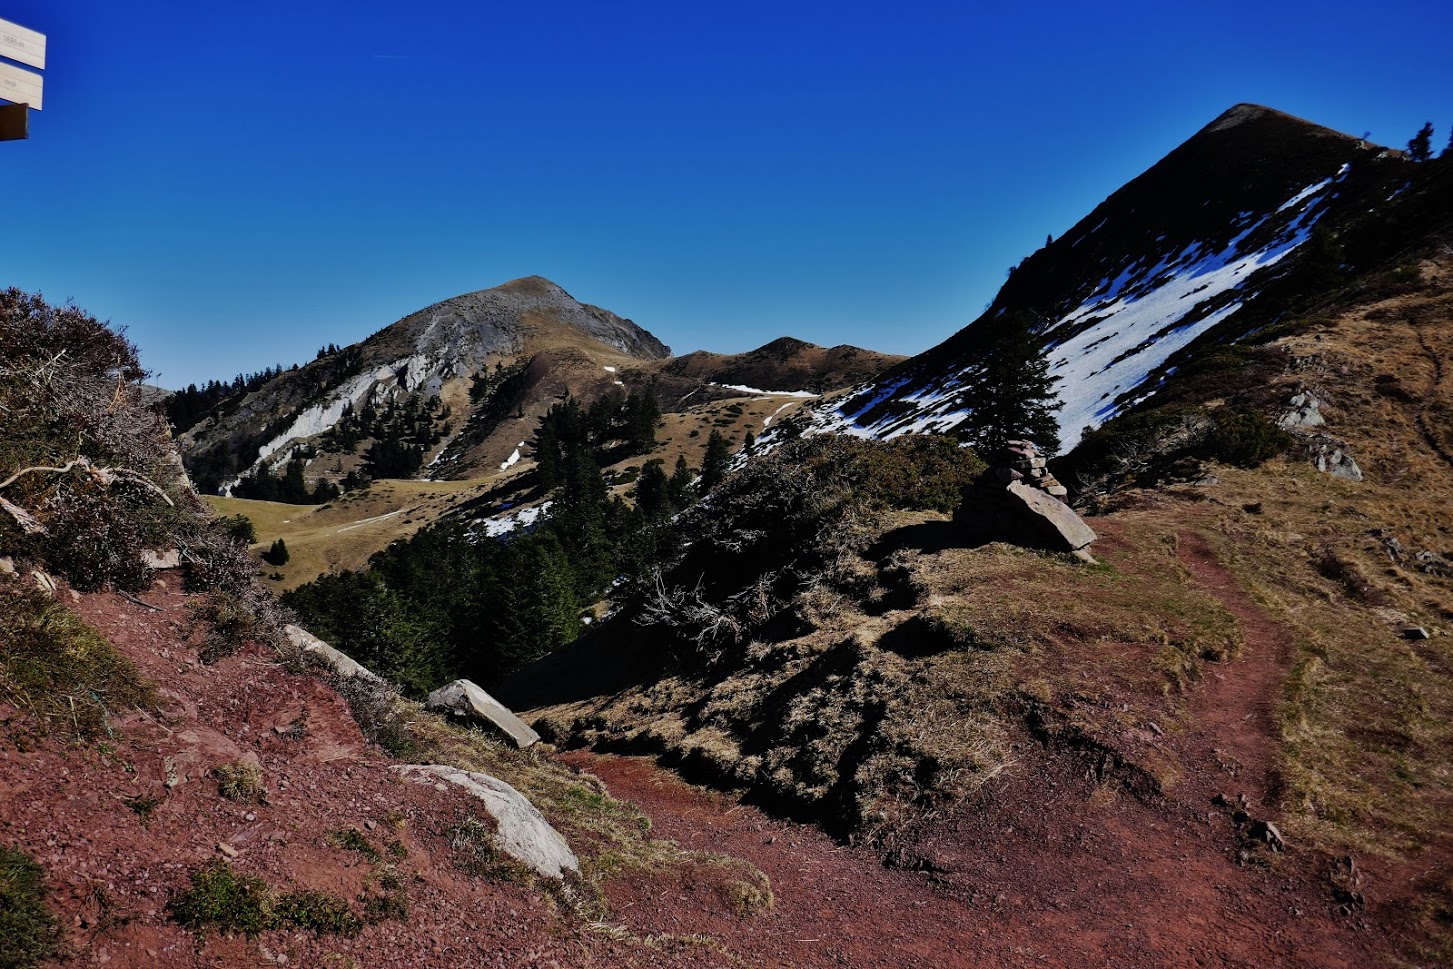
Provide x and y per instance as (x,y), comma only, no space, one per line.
(345,533)
(875,717)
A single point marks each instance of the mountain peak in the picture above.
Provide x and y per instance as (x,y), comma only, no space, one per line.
(530,286)
(1245,113)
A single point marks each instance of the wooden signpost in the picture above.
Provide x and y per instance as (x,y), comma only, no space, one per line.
(20,86)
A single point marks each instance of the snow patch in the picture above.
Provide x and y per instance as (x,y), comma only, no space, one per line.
(804,394)
(510,461)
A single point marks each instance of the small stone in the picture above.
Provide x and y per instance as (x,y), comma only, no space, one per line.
(441,788)
(227,849)
(249,816)
(7,565)
(370,825)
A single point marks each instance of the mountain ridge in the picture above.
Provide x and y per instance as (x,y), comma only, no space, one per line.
(1228,215)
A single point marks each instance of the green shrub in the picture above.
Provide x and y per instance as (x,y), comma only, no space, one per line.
(223,900)
(29,933)
(240,527)
(1244,438)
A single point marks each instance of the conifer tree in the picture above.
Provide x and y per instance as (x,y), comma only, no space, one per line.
(653,491)
(680,484)
(1010,394)
(714,464)
(277,554)
(1420,148)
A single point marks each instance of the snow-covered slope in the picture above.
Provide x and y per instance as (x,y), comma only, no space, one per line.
(1173,258)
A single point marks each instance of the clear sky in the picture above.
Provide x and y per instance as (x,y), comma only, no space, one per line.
(240,183)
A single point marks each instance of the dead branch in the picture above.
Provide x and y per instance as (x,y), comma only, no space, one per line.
(102,476)
(28,523)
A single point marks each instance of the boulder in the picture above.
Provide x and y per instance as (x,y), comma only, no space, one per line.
(339,662)
(1337,462)
(1306,411)
(522,832)
(1044,521)
(464,699)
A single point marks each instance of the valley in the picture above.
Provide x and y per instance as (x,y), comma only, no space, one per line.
(1114,629)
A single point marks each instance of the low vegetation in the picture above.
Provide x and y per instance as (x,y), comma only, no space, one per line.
(61,671)
(225,901)
(28,929)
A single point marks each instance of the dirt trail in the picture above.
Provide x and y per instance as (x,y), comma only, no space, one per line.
(1234,709)
(1048,866)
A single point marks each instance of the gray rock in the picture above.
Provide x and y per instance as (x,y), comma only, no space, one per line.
(1268,833)
(1306,412)
(1415,632)
(463,698)
(7,565)
(1337,462)
(44,582)
(523,833)
(168,558)
(339,662)
(1048,522)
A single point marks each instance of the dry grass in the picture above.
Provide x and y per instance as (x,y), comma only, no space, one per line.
(610,837)
(344,533)
(869,719)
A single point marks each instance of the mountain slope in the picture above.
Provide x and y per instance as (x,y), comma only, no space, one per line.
(529,334)
(1200,249)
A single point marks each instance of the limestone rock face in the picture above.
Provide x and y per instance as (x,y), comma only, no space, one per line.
(341,663)
(523,832)
(463,698)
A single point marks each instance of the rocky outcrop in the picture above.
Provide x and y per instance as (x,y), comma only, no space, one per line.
(1305,412)
(522,832)
(341,663)
(1017,500)
(464,699)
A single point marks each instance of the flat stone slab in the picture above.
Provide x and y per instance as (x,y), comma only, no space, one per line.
(463,698)
(340,662)
(1050,522)
(522,833)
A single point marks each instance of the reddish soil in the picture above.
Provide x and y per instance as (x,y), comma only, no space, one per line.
(1048,865)
(1051,864)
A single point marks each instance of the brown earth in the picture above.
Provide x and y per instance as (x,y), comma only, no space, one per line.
(1054,863)
(1050,865)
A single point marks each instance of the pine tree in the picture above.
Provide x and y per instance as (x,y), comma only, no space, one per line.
(653,491)
(1010,394)
(680,484)
(277,554)
(1420,149)
(749,441)
(714,464)
(1448,151)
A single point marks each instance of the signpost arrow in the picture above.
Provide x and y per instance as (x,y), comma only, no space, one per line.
(20,85)
(22,44)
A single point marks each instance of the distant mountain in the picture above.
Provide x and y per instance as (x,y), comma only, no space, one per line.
(1217,239)
(472,373)
(456,390)
(783,364)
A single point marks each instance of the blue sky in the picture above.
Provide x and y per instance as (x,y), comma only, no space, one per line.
(240,183)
